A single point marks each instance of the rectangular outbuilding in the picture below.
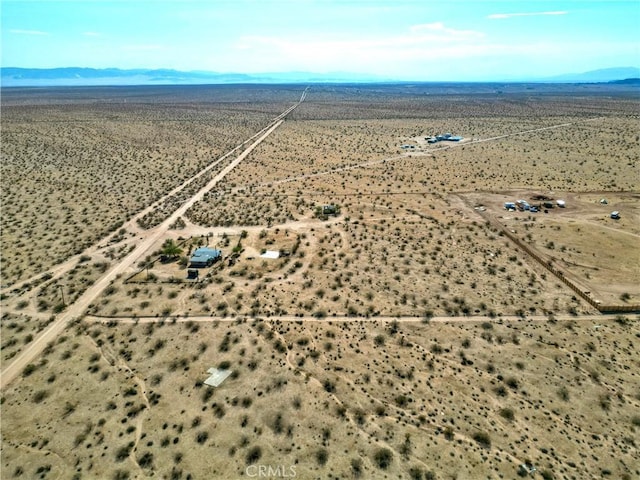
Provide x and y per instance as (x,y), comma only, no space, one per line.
(217,376)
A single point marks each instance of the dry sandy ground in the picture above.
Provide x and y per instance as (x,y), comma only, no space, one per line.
(463,400)
(470,400)
(600,254)
(76,168)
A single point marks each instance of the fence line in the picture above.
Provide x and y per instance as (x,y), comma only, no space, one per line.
(559,273)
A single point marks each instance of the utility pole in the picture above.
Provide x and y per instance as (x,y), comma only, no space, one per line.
(62,293)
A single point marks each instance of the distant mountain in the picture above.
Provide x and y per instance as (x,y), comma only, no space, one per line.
(75,76)
(626,81)
(596,76)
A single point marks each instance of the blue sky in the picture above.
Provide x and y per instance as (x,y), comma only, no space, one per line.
(403,39)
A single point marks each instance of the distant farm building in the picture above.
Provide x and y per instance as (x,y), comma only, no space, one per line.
(448,138)
(445,137)
(511,206)
(204,257)
(615,215)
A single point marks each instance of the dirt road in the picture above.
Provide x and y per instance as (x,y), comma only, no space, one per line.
(77,309)
(344,319)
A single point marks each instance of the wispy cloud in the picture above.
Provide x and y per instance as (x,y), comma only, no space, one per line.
(443,32)
(499,16)
(418,43)
(28,32)
(91,34)
(428,35)
(142,48)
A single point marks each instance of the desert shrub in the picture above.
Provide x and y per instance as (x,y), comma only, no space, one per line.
(501,391)
(507,414)
(448,433)
(356,467)
(359,416)
(253,455)
(416,473)
(483,439)
(383,458)
(122,453)
(563,393)
(322,456)
(146,460)
(605,401)
(202,437)
(329,386)
(512,383)
(207,394)
(40,395)
(121,475)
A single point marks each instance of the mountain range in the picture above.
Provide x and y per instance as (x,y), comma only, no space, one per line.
(75,76)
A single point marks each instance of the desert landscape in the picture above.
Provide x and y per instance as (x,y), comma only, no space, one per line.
(381,312)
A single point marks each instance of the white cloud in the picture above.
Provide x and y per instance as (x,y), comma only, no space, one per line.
(28,32)
(500,16)
(418,42)
(142,47)
(442,32)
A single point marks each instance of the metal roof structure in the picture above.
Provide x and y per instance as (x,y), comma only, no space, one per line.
(205,256)
(217,377)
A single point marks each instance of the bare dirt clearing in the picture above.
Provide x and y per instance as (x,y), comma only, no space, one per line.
(601,254)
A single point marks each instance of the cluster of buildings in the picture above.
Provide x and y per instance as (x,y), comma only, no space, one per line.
(523,205)
(445,137)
